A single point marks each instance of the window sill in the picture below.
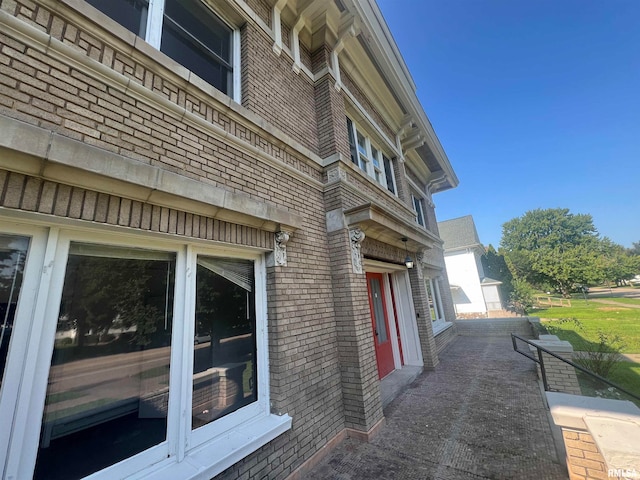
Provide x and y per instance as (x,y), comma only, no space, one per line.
(214,457)
(440,327)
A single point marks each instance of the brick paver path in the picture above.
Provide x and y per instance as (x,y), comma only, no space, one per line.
(479,415)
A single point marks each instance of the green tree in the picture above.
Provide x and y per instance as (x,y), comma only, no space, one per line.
(495,266)
(618,263)
(635,249)
(554,247)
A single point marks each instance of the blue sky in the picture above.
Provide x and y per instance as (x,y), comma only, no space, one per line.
(537,104)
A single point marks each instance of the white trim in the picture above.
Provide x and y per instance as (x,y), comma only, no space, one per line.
(412,352)
(21,335)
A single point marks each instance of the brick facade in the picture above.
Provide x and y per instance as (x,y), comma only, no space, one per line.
(97,123)
(584,461)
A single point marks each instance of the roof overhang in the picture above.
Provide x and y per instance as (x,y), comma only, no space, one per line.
(380,225)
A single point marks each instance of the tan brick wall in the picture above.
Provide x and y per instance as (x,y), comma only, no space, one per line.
(262,9)
(271,89)
(41,90)
(366,104)
(561,376)
(331,118)
(584,461)
(33,194)
(445,338)
(423,319)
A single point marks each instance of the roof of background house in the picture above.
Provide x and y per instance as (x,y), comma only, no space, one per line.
(459,233)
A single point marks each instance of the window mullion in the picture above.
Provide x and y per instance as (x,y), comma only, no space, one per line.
(154,23)
(182,373)
(24,444)
(370,167)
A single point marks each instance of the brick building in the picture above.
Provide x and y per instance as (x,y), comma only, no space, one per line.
(205,212)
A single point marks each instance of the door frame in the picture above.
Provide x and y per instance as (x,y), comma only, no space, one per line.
(385,357)
(408,334)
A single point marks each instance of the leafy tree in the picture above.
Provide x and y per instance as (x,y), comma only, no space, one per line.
(495,266)
(522,295)
(635,249)
(553,246)
(618,263)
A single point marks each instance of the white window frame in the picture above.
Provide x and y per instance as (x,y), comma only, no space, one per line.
(367,160)
(439,322)
(185,453)
(153,36)
(416,203)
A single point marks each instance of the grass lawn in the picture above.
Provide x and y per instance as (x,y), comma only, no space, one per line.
(614,320)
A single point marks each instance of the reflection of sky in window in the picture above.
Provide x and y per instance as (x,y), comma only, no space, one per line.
(12,251)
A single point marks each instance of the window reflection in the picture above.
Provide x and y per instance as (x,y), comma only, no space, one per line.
(13,251)
(224,366)
(131,14)
(108,387)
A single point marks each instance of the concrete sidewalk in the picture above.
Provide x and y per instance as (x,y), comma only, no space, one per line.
(479,415)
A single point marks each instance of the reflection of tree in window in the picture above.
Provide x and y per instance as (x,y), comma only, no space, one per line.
(108,387)
(106,293)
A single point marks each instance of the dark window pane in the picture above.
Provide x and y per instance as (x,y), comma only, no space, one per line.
(417,205)
(195,38)
(224,361)
(352,142)
(388,169)
(13,251)
(131,14)
(108,388)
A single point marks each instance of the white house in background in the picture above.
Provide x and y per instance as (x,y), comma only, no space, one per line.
(474,294)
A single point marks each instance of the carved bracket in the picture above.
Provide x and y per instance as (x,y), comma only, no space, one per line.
(356,236)
(280,248)
(420,255)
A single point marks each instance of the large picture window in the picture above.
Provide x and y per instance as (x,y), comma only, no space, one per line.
(119,339)
(190,33)
(108,388)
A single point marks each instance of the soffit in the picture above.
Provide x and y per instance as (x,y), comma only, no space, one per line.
(380,225)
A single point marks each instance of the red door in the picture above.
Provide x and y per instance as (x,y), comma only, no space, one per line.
(380,322)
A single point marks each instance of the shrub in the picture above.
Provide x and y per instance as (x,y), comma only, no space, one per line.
(603,357)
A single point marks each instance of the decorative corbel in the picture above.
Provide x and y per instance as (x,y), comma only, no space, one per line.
(356,236)
(277,26)
(420,256)
(414,141)
(280,248)
(295,43)
(347,29)
(407,125)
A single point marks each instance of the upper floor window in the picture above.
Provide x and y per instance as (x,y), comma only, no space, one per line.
(418,209)
(185,30)
(369,158)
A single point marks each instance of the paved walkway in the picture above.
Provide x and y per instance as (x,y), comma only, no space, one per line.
(479,415)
